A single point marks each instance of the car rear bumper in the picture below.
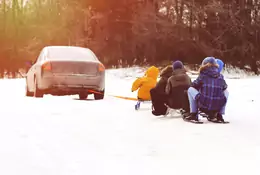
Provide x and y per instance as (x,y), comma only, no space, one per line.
(71,84)
(68,90)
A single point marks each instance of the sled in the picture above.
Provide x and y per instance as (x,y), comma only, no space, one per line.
(206,114)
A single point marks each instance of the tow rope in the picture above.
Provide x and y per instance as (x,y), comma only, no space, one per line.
(122,97)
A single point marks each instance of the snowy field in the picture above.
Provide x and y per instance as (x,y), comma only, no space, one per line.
(65,136)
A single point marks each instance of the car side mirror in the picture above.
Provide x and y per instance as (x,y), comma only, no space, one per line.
(29,63)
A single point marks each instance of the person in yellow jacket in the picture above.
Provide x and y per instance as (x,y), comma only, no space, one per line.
(146,83)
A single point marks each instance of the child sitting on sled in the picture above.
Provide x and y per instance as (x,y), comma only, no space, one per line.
(158,96)
(176,88)
(146,83)
(207,92)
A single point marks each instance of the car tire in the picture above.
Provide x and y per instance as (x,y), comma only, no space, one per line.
(37,92)
(100,95)
(28,93)
(83,96)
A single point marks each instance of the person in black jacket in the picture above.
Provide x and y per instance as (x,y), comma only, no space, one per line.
(158,96)
(176,88)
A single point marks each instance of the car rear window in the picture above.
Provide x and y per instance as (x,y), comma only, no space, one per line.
(76,54)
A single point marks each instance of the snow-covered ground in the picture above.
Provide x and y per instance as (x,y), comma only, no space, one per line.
(65,136)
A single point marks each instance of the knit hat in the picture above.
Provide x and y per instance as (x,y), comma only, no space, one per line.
(220,65)
(210,60)
(177,65)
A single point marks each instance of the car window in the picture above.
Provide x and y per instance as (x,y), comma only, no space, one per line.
(41,57)
(77,54)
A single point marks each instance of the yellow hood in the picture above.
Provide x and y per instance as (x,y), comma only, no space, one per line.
(152,72)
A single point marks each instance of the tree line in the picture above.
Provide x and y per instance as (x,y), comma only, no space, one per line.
(132,32)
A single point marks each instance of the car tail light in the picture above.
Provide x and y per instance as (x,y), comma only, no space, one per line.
(101,67)
(46,66)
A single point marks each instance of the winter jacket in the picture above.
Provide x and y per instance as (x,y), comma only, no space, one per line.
(146,83)
(166,73)
(176,86)
(211,86)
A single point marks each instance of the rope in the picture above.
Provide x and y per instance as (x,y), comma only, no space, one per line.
(122,97)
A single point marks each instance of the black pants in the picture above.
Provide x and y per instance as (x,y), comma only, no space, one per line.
(158,102)
(186,103)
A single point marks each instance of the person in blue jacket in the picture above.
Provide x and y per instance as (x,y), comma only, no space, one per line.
(207,91)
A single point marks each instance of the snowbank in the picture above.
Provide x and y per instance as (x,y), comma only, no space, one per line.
(136,71)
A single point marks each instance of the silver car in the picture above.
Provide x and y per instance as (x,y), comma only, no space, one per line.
(66,70)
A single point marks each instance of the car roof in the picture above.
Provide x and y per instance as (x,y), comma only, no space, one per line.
(69,53)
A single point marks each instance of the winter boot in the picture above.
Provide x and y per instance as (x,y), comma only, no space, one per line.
(192,116)
(220,117)
(212,117)
(137,106)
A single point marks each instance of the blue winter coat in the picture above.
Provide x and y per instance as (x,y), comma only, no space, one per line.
(211,86)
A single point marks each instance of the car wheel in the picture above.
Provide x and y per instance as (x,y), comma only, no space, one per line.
(28,93)
(100,95)
(83,96)
(37,92)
